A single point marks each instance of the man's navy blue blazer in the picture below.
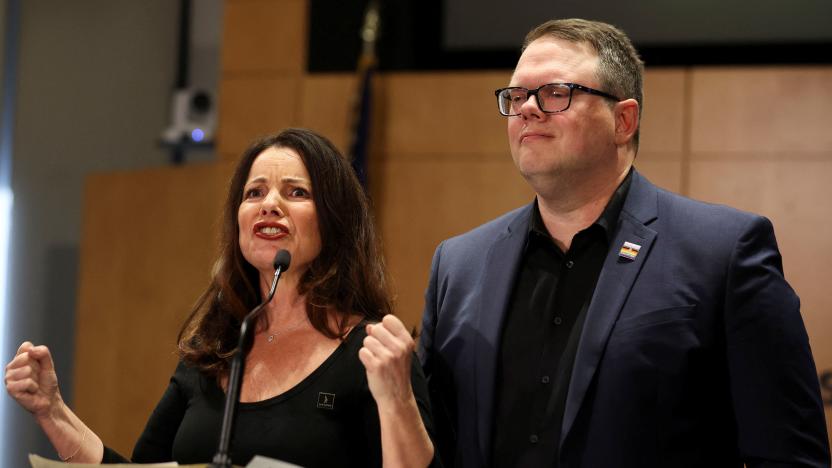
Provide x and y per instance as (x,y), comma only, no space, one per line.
(693,353)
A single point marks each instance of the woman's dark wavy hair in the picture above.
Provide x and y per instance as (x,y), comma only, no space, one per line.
(348,276)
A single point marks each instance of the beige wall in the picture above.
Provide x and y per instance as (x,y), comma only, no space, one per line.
(716,134)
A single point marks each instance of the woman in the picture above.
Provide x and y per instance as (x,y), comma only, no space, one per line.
(328,378)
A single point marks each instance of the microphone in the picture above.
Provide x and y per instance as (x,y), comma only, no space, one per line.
(281,261)
(280,264)
(222,459)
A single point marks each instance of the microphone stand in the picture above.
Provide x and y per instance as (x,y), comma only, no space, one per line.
(222,458)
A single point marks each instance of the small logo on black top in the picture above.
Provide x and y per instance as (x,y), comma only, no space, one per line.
(326,400)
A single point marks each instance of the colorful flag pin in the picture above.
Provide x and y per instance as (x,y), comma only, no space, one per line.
(629,251)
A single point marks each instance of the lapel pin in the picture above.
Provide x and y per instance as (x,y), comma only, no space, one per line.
(629,251)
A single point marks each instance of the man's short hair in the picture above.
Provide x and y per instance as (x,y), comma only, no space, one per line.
(620,69)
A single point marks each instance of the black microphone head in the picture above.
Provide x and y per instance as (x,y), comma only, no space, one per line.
(282,260)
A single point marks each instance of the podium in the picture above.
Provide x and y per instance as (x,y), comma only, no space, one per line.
(257,462)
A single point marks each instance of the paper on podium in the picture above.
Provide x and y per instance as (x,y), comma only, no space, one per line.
(260,461)
(257,462)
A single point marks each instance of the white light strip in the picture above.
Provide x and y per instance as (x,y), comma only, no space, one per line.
(10,28)
(6,200)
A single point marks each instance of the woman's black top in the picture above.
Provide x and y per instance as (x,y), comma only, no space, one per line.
(328,419)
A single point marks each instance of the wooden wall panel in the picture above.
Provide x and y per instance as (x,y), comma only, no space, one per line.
(149,239)
(252,107)
(264,36)
(415,113)
(327,102)
(263,59)
(667,174)
(441,113)
(662,149)
(761,109)
(662,121)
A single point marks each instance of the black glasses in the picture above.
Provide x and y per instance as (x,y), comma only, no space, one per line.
(551,98)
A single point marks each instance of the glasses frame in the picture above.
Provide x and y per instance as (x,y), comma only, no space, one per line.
(534,92)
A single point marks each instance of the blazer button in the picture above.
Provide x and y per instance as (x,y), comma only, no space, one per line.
(533,438)
(570,264)
(558,320)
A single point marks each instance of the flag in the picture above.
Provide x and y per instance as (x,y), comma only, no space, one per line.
(360,146)
(362,110)
(629,251)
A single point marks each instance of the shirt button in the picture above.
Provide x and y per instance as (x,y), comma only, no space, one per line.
(570,264)
(558,320)
(544,379)
(533,438)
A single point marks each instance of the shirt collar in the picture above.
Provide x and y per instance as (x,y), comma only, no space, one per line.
(608,219)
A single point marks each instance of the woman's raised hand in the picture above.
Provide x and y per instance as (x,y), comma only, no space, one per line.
(31,380)
(387,353)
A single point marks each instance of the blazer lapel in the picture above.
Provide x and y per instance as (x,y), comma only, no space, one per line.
(502,261)
(614,284)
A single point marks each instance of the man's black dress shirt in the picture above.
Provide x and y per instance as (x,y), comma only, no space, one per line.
(540,336)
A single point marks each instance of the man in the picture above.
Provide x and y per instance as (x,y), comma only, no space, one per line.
(609,322)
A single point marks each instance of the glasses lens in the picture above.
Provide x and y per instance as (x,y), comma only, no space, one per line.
(553,97)
(511,99)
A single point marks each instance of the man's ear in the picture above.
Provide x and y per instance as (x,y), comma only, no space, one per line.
(626,120)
